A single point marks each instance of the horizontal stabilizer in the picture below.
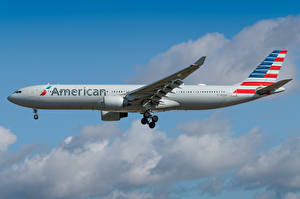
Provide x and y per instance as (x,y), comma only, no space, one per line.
(273,87)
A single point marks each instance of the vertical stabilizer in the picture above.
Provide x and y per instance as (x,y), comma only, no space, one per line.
(265,74)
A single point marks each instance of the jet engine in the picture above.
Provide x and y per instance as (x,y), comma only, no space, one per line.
(113,102)
(112,116)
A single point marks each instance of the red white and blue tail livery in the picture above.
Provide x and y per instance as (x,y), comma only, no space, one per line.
(265,74)
(169,93)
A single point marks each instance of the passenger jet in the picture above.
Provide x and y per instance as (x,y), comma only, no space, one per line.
(116,101)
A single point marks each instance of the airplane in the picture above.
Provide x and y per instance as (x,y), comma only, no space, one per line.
(169,93)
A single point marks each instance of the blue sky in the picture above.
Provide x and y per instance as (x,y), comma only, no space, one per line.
(112,42)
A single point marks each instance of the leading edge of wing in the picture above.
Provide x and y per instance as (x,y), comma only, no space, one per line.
(182,74)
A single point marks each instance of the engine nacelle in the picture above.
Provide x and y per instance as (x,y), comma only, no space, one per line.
(113,102)
(112,116)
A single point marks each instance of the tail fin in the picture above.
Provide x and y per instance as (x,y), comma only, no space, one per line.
(265,74)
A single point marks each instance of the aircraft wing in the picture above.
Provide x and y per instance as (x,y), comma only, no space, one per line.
(273,87)
(152,93)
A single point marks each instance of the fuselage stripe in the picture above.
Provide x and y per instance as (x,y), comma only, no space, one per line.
(257,83)
(248,91)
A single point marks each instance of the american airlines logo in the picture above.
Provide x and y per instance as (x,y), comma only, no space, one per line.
(78,92)
(44,92)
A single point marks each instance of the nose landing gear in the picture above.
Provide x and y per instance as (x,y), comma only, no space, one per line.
(149,119)
(35,116)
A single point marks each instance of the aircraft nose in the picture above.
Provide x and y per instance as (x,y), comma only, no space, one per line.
(10,98)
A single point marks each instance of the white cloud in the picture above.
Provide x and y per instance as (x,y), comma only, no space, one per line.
(269,194)
(229,61)
(192,127)
(266,195)
(276,169)
(116,167)
(206,155)
(292,196)
(131,195)
(6,138)
(213,186)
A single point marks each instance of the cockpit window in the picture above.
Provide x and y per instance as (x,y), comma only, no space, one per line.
(18,92)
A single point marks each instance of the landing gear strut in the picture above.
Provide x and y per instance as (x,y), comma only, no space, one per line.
(35,116)
(149,119)
(147,114)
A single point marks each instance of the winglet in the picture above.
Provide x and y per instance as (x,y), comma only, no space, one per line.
(200,61)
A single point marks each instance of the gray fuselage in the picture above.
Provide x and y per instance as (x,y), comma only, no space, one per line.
(187,97)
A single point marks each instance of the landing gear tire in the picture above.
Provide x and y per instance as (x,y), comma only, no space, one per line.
(154,118)
(144,120)
(149,119)
(152,125)
(35,116)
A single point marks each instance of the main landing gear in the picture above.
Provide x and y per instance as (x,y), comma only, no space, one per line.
(149,119)
(35,116)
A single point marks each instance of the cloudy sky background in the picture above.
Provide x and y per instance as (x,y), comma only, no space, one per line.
(250,151)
